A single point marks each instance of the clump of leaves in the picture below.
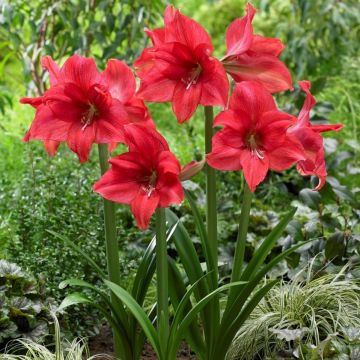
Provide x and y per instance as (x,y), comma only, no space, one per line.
(76,350)
(23,305)
(309,319)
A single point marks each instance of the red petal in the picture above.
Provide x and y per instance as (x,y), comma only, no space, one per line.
(119,79)
(157,36)
(54,72)
(238,120)
(327,127)
(185,101)
(269,46)
(251,98)
(81,71)
(34,102)
(266,69)
(169,189)
(255,169)
(180,28)
(239,34)
(215,83)
(144,140)
(304,115)
(51,147)
(80,140)
(159,89)
(47,127)
(143,207)
(120,183)
(168,163)
(286,155)
(223,156)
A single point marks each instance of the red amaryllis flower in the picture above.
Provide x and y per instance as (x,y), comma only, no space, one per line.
(179,67)
(254,137)
(310,138)
(254,57)
(146,177)
(84,106)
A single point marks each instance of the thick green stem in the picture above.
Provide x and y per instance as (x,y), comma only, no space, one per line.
(211,224)
(241,237)
(112,250)
(211,213)
(162,280)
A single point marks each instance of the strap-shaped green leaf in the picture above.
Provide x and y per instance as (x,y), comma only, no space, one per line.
(244,293)
(200,226)
(191,316)
(177,291)
(265,248)
(227,335)
(77,298)
(139,314)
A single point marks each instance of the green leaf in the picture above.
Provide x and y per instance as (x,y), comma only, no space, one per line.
(335,245)
(265,248)
(74,299)
(310,198)
(70,243)
(200,226)
(191,316)
(139,314)
(177,291)
(232,327)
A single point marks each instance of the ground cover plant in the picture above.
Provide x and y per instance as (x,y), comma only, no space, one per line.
(202,264)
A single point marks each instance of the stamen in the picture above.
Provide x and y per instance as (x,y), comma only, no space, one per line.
(259,153)
(150,188)
(87,118)
(193,78)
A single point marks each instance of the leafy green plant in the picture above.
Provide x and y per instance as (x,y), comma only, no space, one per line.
(24,310)
(311,316)
(76,350)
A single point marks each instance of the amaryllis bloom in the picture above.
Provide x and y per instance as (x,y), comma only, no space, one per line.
(179,67)
(146,177)
(310,138)
(254,137)
(83,106)
(254,57)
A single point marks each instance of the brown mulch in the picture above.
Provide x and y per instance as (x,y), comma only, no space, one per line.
(102,344)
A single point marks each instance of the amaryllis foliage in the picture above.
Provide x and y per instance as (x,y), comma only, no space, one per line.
(255,135)
(146,177)
(180,68)
(84,106)
(310,138)
(254,57)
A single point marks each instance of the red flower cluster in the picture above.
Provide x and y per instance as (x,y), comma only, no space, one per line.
(83,106)
(180,67)
(146,177)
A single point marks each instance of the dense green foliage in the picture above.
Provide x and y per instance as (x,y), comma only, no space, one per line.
(38,193)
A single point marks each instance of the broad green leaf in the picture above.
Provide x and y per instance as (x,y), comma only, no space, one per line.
(139,314)
(310,198)
(335,245)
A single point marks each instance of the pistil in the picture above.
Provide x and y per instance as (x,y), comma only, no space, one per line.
(88,116)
